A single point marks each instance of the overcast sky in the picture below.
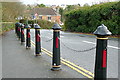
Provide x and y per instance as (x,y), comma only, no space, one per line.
(59,2)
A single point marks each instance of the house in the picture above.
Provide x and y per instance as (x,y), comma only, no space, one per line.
(45,14)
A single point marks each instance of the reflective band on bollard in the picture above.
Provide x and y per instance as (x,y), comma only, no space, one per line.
(56,48)
(102,34)
(28,34)
(38,37)
(57,42)
(104,59)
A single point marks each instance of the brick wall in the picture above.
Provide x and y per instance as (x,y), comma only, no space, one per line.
(53,18)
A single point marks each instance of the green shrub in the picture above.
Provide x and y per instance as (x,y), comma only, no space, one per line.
(45,24)
(42,23)
(87,19)
(23,21)
(6,27)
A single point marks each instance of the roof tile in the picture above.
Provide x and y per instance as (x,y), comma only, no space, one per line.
(44,11)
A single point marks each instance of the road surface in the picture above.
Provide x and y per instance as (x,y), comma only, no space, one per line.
(82,42)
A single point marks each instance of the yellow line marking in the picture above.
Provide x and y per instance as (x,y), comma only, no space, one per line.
(74,65)
(88,72)
(48,54)
(77,70)
(71,65)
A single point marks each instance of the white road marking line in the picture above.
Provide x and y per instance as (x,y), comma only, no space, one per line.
(95,43)
(61,36)
(113,47)
(89,42)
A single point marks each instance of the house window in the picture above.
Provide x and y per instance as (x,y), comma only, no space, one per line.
(40,17)
(49,18)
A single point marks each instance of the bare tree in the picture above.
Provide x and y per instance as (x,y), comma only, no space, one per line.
(11,10)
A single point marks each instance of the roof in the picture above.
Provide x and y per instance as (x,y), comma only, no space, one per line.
(44,11)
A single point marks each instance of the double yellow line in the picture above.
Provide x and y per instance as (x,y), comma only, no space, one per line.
(79,69)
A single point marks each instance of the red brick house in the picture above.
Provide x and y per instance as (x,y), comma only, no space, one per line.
(46,14)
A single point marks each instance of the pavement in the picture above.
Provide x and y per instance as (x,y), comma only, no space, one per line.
(0,57)
(119,59)
(17,62)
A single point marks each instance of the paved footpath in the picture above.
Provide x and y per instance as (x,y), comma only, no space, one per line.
(0,57)
(17,62)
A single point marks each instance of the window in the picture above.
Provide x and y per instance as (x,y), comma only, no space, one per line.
(49,18)
(40,17)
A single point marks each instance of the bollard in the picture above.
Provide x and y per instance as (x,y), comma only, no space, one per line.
(56,48)
(37,40)
(18,31)
(28,42)
(102,34)
(22,34)
(16,27)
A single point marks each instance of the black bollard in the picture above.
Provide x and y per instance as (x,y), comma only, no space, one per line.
(22,34)
(18,31)
(37,40)
(56,48)
(28,39)
(102,34)
(16,26)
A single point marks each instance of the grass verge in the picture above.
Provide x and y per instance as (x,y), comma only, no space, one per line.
(7,26)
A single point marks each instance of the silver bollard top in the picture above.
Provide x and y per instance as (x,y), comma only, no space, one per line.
(56,27)
(27,26)
(22,25)
(17,24)
(102,31)
(36,26)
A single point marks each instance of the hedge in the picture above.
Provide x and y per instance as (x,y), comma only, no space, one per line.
(42,23)
(87,19)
